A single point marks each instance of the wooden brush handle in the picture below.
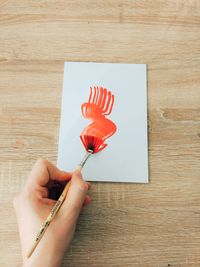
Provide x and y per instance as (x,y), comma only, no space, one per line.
(54,210)
(50,217)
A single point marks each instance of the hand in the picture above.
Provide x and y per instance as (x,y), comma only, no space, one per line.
(33,205)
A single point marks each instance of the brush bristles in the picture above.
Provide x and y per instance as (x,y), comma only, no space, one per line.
(92,143)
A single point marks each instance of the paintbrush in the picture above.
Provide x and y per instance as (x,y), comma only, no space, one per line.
(57,206)
(93,137)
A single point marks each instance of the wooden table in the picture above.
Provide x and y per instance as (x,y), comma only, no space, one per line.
(153,225)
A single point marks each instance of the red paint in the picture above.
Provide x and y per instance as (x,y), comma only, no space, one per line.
(98,107)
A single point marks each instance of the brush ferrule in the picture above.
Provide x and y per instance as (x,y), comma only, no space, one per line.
(85,158)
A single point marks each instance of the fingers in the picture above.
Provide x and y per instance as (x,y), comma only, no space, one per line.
(86,201)
(42,172)
(76,196)
(56,174)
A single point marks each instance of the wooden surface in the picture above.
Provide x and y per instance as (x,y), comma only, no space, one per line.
(153,225)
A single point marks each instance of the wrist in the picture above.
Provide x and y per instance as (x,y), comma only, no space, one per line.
(43,258)
(41,262)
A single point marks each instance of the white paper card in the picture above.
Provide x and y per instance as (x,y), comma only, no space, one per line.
(125,159)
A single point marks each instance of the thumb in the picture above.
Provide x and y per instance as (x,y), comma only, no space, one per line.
(76,195)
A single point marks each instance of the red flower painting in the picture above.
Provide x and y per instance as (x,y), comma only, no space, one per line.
(98,107)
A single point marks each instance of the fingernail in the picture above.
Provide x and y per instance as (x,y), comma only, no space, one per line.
(77,172)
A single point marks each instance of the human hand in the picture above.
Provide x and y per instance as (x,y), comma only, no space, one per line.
(33,204)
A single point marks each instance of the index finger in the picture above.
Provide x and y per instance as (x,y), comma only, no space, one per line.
(43,171)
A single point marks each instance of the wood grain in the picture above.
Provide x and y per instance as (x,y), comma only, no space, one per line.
(154,225)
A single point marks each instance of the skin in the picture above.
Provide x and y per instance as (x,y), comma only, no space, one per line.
(32,206)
